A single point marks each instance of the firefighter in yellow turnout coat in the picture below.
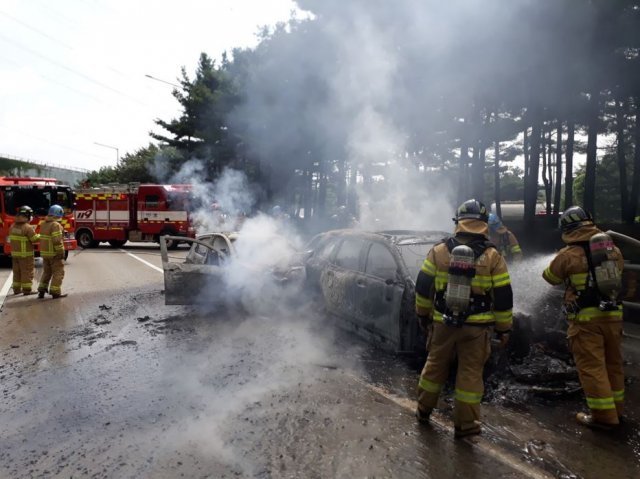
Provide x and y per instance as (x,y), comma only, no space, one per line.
(595,322)
(462,333)
(22,237)
(503,239)
(52,252)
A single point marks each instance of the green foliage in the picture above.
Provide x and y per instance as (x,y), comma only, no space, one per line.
(607,188)
(202,131)
(141,166)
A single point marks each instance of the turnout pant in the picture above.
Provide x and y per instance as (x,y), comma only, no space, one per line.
(597,351)
(22,274)
(52,275)
(472,346)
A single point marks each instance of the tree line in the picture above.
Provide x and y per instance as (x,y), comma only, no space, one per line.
(497,98)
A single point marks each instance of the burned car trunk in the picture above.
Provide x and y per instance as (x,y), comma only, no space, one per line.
(200,278)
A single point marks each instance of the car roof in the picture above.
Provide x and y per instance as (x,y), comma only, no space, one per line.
(398,237)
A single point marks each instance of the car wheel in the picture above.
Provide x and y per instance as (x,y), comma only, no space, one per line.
(85,239)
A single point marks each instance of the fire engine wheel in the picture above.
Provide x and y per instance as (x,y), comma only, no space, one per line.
(170,243)
(85,239)
(117,243)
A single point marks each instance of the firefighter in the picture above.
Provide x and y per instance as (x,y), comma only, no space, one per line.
(503,239)
(52,252)
(463,295)
(590,267)
(22,237)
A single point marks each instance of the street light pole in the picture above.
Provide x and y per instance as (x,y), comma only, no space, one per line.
(163,81)
(113,148)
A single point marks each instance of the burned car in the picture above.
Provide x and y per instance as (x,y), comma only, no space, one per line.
(224,269)
(367,280)
(193,281)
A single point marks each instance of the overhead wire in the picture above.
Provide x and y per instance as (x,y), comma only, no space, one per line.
(63,66)
(71,70)
(44,140)
(49,79)
(36,30)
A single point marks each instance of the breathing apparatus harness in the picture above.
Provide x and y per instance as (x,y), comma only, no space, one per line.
(457,302)
(604,279)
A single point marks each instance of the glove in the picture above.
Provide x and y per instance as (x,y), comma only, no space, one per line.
(424,322)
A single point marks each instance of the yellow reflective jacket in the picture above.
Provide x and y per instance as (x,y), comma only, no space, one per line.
(506,243)
(51,240)
(570,266)
(22,237)
(491,279)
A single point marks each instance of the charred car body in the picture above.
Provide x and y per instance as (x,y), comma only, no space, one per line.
(367,280)
(199,279)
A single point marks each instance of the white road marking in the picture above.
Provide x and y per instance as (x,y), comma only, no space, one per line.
(153,266)
(505,457)
(5,289)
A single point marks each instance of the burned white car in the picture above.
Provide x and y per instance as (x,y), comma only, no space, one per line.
(193,281)
(368,281)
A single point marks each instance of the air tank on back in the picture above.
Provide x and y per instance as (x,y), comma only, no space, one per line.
(461,271)
(607,274)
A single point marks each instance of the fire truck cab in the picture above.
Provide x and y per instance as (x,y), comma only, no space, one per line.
(39,194)
(135,212)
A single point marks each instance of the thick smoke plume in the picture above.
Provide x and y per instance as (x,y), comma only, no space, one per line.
(365,90)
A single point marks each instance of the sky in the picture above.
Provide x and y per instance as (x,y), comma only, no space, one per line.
(72,72)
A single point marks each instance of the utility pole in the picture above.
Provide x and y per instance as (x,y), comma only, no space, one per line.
(113,148)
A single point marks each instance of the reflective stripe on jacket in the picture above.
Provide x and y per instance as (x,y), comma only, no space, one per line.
(51,239)
(22,237)
(506,243)
(570,266)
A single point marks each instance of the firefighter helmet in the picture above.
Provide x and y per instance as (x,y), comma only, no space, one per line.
(56,210)
(472,209)
(574,217)
(494,222)
(276,211)
(26,211)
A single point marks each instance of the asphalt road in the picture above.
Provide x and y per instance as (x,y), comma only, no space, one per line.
(109,382)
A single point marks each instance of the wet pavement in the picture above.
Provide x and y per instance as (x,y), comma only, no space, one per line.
(109,382)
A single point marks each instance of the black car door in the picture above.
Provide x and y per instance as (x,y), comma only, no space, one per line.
(338,278)
(379,293)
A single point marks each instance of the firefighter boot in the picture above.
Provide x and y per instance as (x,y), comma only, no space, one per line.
(467,431)
(423,415)
(58,295)
(41,294)
(587,420)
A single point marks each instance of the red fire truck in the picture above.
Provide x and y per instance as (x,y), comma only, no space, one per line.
(134,212)
(39,194)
